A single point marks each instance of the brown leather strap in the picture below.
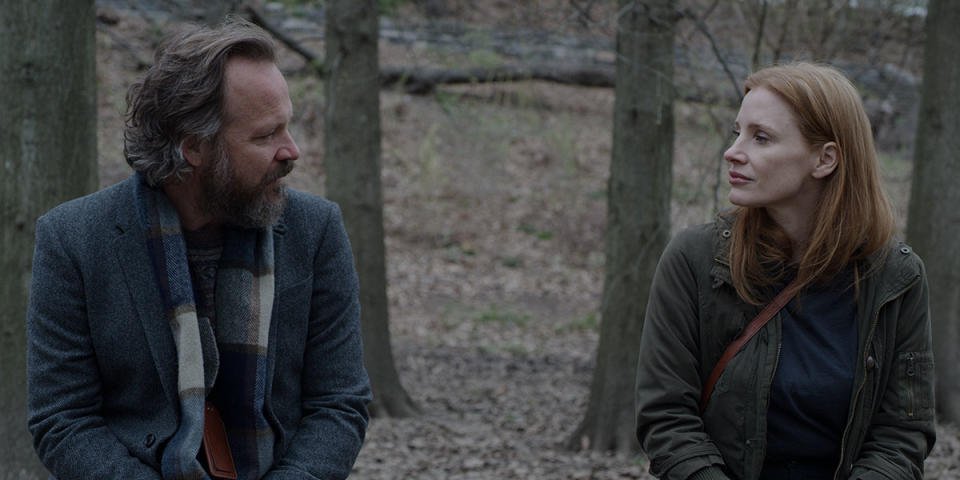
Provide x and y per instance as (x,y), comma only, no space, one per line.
(216,448)
(751,329)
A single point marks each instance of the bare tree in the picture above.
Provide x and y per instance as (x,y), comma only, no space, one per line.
(48,145)
(353,163)
(638,215)
(758,42)
(934,221)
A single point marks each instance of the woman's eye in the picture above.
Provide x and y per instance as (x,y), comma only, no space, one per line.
(736,133)
(761,139)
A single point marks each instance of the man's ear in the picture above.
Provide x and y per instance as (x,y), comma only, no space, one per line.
(193,150)
(827,161)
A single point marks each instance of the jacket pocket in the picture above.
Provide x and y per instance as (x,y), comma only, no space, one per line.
(915,385)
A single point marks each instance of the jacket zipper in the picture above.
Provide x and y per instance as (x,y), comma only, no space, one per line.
(766,406)
(866,353)
(911,371)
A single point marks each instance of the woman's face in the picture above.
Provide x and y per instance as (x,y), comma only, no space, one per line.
(771,164)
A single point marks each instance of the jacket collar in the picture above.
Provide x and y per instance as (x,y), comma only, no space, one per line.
(890,270)
(721,250)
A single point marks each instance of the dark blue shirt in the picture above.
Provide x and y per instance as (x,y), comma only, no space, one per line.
(810,394)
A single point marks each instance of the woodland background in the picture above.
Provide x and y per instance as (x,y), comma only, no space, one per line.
(495,191)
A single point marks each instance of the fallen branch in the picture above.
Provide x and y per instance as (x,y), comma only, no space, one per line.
(425,80)
(422,81)
(716,52)
(314,60)
(142,64)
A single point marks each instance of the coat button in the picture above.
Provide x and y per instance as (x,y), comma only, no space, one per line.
(904,250)
(871,362)
(725,234)
(149,440)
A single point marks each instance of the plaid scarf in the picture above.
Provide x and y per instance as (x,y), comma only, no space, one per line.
(236,360)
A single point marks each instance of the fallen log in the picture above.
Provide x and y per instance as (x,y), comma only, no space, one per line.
(425,80)
(422,81)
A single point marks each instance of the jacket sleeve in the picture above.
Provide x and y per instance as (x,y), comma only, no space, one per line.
(902,431)
(64,385)
(335,387)
(669,427)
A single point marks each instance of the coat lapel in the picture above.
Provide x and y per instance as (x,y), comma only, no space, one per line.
(278,232)
(130,248)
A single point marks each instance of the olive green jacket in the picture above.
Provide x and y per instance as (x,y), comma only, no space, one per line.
(694,313)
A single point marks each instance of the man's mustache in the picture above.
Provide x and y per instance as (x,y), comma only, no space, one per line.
(282,171)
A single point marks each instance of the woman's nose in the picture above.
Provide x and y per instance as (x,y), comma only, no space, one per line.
(734,154)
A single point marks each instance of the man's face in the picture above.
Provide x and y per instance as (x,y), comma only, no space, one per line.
(242,184)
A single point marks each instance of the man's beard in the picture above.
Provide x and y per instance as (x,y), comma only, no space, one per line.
(233,203)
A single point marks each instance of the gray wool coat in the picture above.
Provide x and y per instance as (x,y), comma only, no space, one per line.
(101,360)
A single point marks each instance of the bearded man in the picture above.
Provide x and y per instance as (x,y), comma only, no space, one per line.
(198,320)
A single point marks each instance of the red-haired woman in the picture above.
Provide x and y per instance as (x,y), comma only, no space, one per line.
(839,382)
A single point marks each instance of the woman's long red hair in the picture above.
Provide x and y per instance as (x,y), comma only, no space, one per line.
(853,218)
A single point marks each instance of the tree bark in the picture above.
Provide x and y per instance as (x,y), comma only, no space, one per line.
(353,163)
(638,216)
(48,149)
(934,220)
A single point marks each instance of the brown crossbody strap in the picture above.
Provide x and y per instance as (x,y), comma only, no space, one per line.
(751,329)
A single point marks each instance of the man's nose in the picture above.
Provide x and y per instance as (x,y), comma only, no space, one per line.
(289,151)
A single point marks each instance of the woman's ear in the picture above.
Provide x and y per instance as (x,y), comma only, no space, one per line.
(193,150)
(827,162)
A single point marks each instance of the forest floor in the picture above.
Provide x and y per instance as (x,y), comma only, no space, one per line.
(495,212)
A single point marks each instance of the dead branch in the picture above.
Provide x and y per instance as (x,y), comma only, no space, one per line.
(716,52)
(104,26)
(758,44)
(788,18)
(314,60)
(425,80)
(583,12)
(421,81)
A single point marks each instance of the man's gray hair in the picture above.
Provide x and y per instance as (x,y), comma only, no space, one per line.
(182,95)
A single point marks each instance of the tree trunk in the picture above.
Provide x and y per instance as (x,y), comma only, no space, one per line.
(934,220)
(48,146)
(638,216)
(353,163)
